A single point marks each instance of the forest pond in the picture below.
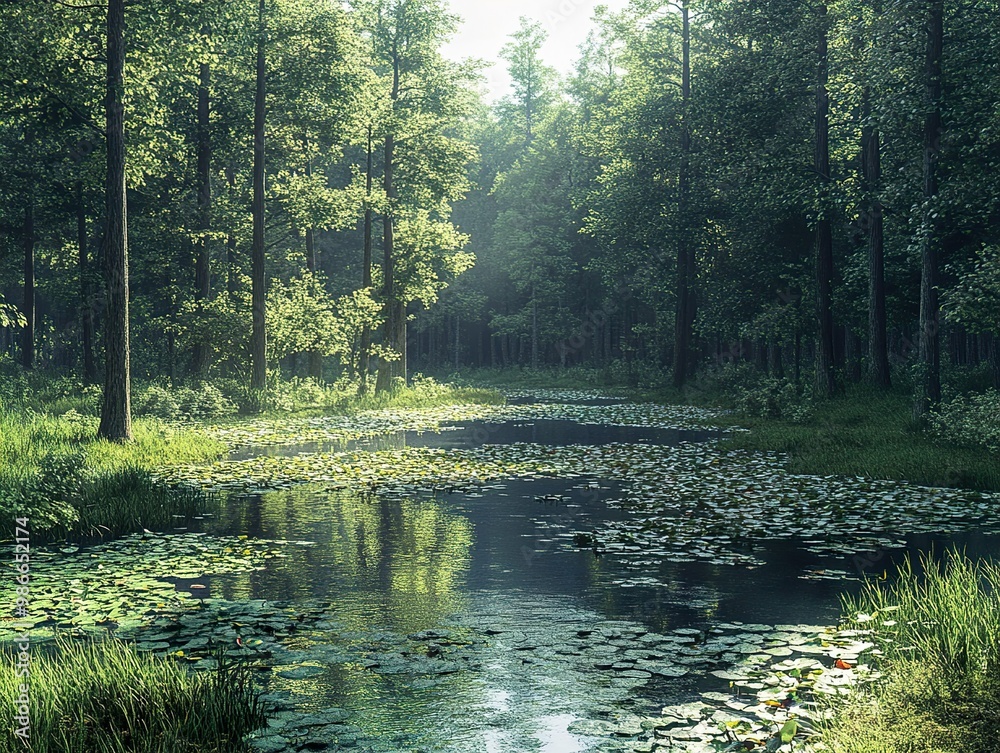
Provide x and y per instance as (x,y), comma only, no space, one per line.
(546,577)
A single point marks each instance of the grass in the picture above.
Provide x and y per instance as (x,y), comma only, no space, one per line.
(575,377)
(939,633)
(105,697)
(55,471)
(868,433)
(423,393)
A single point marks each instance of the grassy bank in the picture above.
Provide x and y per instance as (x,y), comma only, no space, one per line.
(68,483)
(939,634)
(866,433)
(55,471)
(106,697)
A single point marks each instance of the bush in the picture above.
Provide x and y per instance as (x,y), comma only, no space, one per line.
(774,398)
(751,393)
(105,696)
(49,494)
(203,402)
(969,420)
(157,401)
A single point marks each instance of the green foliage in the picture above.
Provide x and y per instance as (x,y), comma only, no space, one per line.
(969,420)
(10,316)
(753,394)
(975,299)
(105,696)
(172,404)
(938,629)
(867,433)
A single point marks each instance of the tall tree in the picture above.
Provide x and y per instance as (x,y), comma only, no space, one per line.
(258,346)
(686,271)
(424,162)
(116,413)
(871,160)
(28,306)
(86,294)
(531,79)
(364,350)
(929,356)
(825,383)
(203,260)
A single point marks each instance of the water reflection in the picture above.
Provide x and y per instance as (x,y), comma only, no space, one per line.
(399,563)
(504,563)
(549,433)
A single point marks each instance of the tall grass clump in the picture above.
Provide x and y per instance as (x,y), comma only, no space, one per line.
(938,631)
(106,697)
(54,471)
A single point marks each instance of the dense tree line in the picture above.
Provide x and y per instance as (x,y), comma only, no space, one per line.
(227,189)
(804,185)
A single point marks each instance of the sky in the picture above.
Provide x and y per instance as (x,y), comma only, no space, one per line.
(488,23)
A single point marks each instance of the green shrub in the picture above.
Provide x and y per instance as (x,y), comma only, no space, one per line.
(106,697)
(157,401)
(172,404)
(751,393)
(770,397)
(969,420)
(49,495)
(206,401)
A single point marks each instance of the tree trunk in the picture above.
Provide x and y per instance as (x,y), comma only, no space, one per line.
(364,355)
(258,347)
(852,355)
(28,305)
(116,413)
(534,326)
(203,268)
(395,320)
(312,262)
(929,357)
(825,385)
(994,358)
(684,325)
(231,271)
(871,160)
(86,304)
(776,365)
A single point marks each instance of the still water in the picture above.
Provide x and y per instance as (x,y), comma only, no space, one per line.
(492,621)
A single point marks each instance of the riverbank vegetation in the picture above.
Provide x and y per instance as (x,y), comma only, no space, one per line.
(938,632)
(55,470)
(106,697)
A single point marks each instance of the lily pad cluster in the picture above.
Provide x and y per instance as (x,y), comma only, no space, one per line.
(775,680)
(691,502)
(114,586)
(295,430)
